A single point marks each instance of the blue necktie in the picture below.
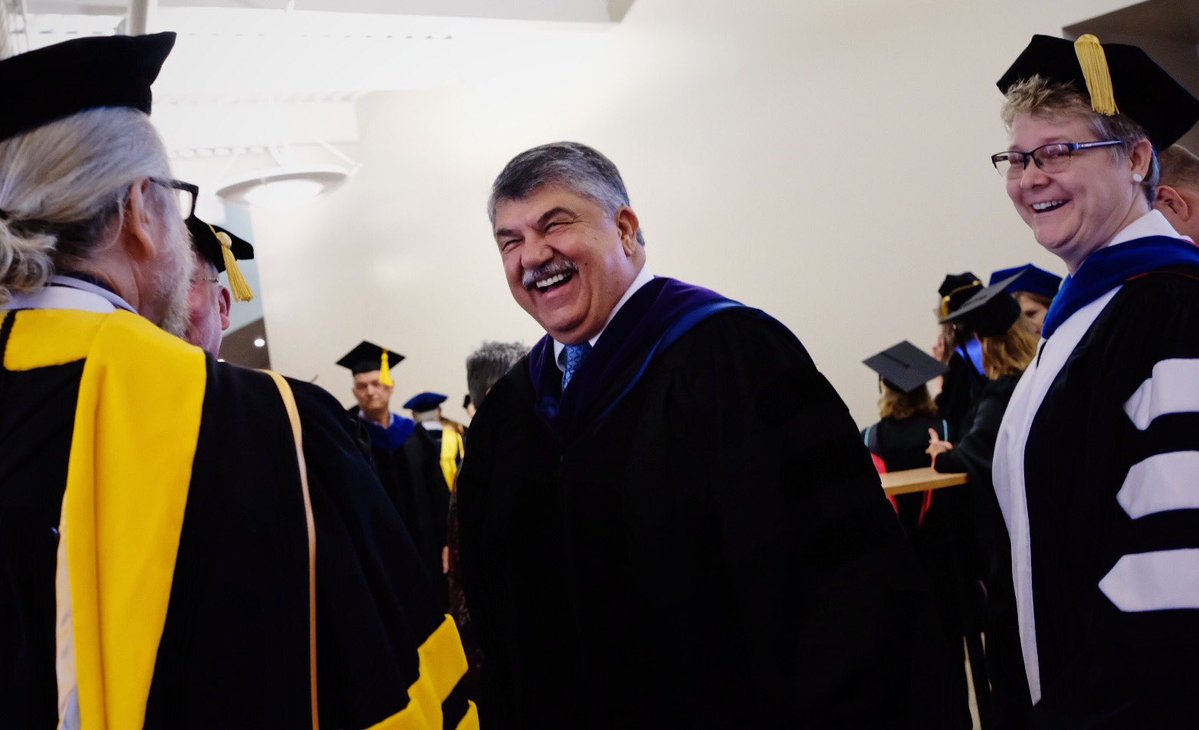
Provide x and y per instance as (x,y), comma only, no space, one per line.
(575,355)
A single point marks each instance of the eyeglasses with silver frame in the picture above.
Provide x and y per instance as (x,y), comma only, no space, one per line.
(1051,158)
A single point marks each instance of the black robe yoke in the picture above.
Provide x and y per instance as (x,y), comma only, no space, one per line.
(717,553)
(234,650)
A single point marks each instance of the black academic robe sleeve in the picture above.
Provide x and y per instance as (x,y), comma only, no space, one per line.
(974,452)
(376,601)
(237,624)
(959,387)
(822,578)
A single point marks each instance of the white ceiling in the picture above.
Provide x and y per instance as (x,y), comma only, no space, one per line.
(553,10)
(256,84)
(264,74)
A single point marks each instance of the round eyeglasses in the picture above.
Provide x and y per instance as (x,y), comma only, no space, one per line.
(1053,157)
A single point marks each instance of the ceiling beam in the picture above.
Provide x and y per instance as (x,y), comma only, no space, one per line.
(571,11)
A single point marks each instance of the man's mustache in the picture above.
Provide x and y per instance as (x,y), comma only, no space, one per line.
(545,271)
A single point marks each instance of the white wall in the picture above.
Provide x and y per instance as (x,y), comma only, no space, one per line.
(825,161)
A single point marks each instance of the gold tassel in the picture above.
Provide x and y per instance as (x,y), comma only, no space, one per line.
(945,299)
(1093,61)
(237,280)
(385,373)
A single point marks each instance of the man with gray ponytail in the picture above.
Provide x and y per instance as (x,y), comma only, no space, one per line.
(169,523)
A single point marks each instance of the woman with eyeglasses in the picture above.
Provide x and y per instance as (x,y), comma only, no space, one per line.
(1096,465)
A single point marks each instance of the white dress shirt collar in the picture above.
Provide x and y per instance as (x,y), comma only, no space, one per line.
(1152,223)
(643,278)
(67,292)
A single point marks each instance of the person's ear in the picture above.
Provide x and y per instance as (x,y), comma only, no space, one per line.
(1141,158)
(140,214)
(224,303)
(1169,199)
(628,225)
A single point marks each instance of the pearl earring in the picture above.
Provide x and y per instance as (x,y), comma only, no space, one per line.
(1138,177)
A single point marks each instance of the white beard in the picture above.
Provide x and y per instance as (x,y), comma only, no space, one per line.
(174,282)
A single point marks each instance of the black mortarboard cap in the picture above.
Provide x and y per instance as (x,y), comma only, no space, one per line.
(990,312)
(204,236)
(1029,278)
(955,289)
(223,249)
(57,81)
(422,402)
(1142,90)
(905,367)
(367,357)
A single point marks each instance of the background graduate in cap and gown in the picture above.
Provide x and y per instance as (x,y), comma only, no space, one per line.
(405,458)
(1008,345)
(900,441)
(907,412)
(962,354)
(445,435)
(169,524)
(1096,460)
(1034,289)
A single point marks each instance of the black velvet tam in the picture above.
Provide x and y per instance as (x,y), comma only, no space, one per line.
(57,81)
(205,240)
(990,312)
(1143,90)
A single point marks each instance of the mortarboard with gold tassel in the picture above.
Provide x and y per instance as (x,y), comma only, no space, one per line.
(223,249)
(1117,78)
(367,357)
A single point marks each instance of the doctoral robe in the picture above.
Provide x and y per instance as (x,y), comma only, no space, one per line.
(1097,472)
(151,505)
(692,536)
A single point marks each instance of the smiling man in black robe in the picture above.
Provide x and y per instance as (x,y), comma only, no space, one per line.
(667,516)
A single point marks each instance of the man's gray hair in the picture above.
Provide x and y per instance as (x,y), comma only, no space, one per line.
(488,364)
(570,165)
(63,184)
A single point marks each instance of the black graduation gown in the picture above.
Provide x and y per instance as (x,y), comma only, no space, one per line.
(411,476)
(715,553)
(234,650)
(959,387)
(985,554)
(901,444)
(1095,464)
